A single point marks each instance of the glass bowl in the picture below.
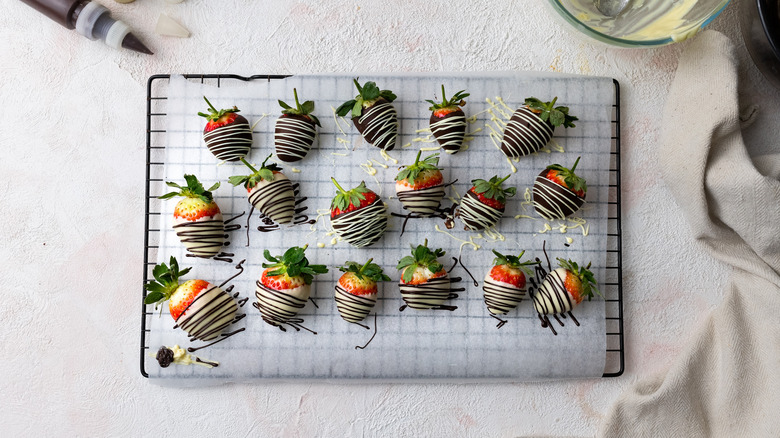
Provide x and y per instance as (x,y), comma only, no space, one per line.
(644,23)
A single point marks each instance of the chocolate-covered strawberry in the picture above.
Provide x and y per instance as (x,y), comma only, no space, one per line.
(356,290)
(424,281)
(505,283)
(285,286)
(269,191)
(531,126)
(563,289)
(448,122)
(197,219)
(227,134)
(420,186)
(198,307)
(295,130)
(484,203)
(558,192)
(358,215)
(373,114)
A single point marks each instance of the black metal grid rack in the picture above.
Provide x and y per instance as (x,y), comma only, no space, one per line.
(155,152)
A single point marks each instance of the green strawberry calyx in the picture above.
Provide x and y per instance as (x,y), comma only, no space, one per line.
(574,182)
(556,115)
(265,173)
(304,109)
(193,189)
(514,262)
(492,189)
(411,172)
(367,95)
(422,257)
(293,263)
(214,114)
(344,198)
(369,270)
(585,276)
(165,283)
(455,101)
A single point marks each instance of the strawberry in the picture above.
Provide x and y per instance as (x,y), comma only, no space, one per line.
(564,288)
(358,216)
(484,203)
(419,186)
(356,290)
(373,114)
(285,286)
(558,192)
(424,282)
(269,191)
(505,283)
(198,307)
(295,130)
(196,218)
(531,126)
(448,122)
(227,134)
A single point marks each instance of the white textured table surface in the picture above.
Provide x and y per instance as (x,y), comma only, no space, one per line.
(72,196)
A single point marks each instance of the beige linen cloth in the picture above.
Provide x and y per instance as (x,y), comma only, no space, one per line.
(726,381)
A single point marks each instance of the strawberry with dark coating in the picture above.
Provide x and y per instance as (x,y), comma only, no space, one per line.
(373,114)
(295,130)
(420,186)
(358,215)
(558,192)
(448,122)
(484,203)
(532,125)
(227,134)
(356,290)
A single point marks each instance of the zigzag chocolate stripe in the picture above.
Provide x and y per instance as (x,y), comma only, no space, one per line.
(353,308)
(500,298)
(293,137)
(379,125)
(208,314)
(450,131)
(203,238)
(275,199)
(553,201)
(362,227)
(476,215)
(230,142)
(277,307)
(552,297)
(424,201)
(427,295)
(525,133)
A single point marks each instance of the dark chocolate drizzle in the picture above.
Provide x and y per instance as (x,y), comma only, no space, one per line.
(222,338)
(240,268)
(358,347)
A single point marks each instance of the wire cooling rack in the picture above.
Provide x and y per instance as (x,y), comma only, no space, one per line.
(156,130)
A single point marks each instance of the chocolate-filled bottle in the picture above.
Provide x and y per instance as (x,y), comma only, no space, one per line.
(91,20)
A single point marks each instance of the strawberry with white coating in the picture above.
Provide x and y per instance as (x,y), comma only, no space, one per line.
(356,290)
(197,219)
(505,283)
(424,282)
(420,186)
(564,288)
(269,191)
(285,286)
(199,308)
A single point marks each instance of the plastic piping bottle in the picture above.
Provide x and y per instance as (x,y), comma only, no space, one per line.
(90,19)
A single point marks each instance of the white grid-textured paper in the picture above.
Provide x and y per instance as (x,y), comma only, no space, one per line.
(460,345)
